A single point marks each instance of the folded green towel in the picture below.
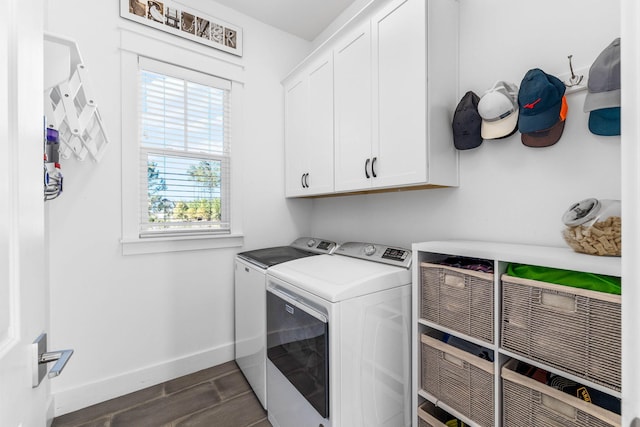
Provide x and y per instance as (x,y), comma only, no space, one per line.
(576,279)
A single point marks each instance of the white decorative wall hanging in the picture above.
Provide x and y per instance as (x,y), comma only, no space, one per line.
(178,20)
(70,105)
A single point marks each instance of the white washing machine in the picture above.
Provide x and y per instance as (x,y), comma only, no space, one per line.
(250,304)
(338,339)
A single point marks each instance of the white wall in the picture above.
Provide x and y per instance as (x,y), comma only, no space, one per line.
(508,192)
(138,320)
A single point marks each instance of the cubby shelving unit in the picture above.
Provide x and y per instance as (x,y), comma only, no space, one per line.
(500,254)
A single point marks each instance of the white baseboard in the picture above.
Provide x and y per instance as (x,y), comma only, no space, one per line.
(85,395)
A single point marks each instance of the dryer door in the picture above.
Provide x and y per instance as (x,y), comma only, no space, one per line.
(298,345)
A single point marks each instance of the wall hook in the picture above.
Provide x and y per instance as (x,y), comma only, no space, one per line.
(574,80)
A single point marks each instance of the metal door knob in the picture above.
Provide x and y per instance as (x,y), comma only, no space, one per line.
(41,357)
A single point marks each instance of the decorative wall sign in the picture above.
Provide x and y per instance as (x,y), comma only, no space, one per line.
(176,19)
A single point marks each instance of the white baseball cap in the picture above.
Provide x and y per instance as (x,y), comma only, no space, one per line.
(498,108)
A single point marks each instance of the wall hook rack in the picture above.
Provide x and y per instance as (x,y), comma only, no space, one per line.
(71,108)
(574,80)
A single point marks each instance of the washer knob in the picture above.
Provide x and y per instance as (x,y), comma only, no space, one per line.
(369,250)
(311,243)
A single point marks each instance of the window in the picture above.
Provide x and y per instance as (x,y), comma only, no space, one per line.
(183,126)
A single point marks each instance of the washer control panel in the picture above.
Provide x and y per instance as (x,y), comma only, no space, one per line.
(369,250)
(313,244)
(400,257)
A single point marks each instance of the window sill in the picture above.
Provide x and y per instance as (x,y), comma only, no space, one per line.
(153,245)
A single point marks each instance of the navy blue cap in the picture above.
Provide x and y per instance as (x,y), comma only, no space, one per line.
(605,121)
(467,123)
(540,101)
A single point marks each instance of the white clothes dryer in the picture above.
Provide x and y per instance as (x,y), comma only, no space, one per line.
(338,339)
(250,304)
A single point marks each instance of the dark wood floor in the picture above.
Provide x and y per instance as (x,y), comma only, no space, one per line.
(215,397)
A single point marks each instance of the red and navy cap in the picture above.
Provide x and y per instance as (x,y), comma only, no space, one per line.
(540,101)
(547,137)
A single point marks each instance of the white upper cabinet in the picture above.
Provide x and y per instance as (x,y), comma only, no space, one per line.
(395,79)
(320,150)
(309,130)
(353,109)
(296,96)
(399,89)
(415,81)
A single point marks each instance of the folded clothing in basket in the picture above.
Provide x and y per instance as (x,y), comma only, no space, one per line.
(455,423)
(576,279)
(469,347)
(580,391)
(475,264)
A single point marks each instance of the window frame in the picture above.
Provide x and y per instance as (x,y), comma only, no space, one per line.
(184,76)
(191,61)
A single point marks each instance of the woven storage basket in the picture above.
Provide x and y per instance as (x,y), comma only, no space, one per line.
(458,299)
(426,416)
(527,402)
(460,379)
(572,329)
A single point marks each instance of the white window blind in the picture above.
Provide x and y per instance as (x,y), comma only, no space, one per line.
(184,151)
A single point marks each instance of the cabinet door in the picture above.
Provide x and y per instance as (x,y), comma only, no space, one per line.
(399,91)
(296,96)
(319,150)
(352,62)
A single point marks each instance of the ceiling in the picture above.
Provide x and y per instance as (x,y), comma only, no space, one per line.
(304,18)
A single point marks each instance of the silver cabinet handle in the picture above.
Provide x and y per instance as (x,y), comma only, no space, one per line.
(41,357)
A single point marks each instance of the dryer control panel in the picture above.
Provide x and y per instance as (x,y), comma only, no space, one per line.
(400,257)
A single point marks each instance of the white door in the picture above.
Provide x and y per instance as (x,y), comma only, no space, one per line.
(631,212)
(352,82)
(23,290)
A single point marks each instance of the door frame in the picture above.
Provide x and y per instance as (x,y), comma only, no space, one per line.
(630,153)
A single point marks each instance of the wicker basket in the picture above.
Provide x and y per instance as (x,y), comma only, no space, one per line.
(458,299)
(426,416)
(459,379)
(572,329)
(527,402)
